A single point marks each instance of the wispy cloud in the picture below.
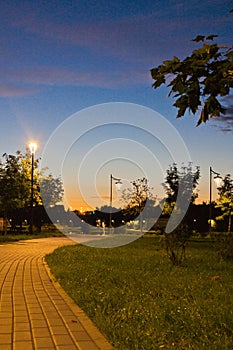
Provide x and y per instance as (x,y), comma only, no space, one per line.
(137,42)
(59,76)
(126,37)
(14,91)
(139,38)
(225,122)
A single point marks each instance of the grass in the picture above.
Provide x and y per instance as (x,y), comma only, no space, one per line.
(24,236)
(139,301)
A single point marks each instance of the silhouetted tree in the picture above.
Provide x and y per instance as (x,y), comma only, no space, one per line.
(51,190)
(137,196)
(225,201)
(15,184)
(184,181)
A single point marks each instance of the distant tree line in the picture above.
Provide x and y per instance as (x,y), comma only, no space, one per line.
(15,195)
(185,181)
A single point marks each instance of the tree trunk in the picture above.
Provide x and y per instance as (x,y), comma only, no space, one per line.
(5,223)
(140,221)
(229,223)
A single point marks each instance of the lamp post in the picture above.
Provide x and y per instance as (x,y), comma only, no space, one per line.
(118,184)
(218,181)
(32,147)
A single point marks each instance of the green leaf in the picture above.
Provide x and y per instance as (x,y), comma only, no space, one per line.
(211,37)
(159,80)
(204,76)
(182,104)
(204,115)
(199,38)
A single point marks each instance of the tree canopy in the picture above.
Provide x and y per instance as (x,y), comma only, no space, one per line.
(15,184)
(137,196)
(13,187)
(51,190)
(200,81)
(186,179)
(225,201)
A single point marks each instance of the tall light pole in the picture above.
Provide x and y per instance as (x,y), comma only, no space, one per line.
(32,147)
(118,184)
(218,181)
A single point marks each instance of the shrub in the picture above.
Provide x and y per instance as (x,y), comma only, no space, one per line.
(224,246)
(175,244)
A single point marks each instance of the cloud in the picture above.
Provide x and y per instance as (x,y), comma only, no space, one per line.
(139,38)
(14,91)
(59,76)
(126,37)
(141,41)
(225,122)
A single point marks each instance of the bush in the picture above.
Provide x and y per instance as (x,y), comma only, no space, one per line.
(175,244)
(224,246)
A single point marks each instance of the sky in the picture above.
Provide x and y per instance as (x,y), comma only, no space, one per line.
(60,58)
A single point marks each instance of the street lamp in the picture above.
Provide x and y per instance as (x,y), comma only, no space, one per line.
(118,185)
(32,147)
(218,180)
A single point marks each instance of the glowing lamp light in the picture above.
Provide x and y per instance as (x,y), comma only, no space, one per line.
(118,185)
(33,147)
(218,180)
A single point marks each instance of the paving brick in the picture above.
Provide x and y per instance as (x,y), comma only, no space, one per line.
(59,330)
(21,319)
(43,314)
(41,332)
(22,336)
(22,326)
(5,315)
(23,345)
(37,316)
(44,342)
(38,323)
(68,347)
(56,322)
(81,336)
(7,347)
(6,321)
(87,345)
(6,338)
(5,329)
(63,339)
(75,326)
(22,314)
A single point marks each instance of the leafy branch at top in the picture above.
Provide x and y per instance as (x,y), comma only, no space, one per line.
(200,80)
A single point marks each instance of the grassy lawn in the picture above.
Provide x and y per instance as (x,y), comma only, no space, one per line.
(139,301)
(19,237)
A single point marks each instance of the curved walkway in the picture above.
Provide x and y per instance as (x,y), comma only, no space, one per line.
(35,313)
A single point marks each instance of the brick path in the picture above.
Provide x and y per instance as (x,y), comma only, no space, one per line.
(35,313)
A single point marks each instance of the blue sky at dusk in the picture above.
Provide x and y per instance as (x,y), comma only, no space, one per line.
(59,57)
